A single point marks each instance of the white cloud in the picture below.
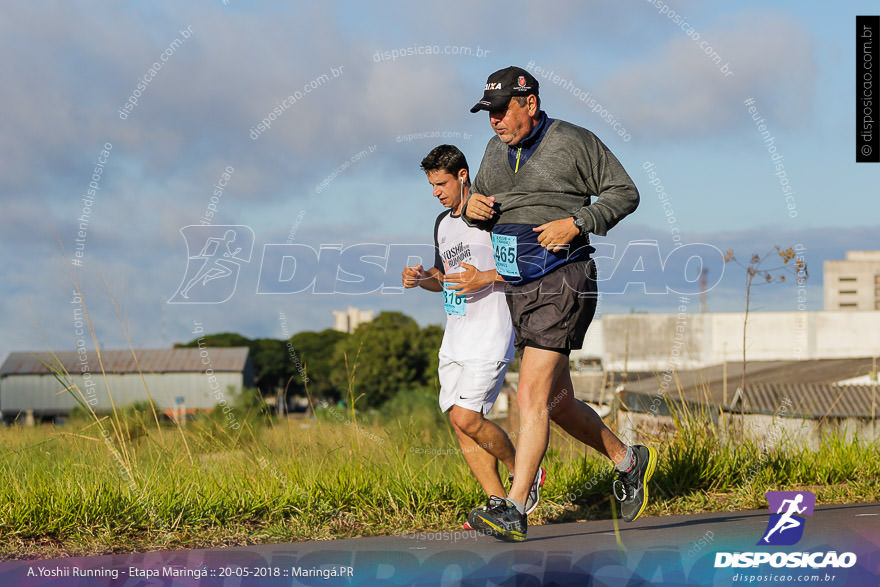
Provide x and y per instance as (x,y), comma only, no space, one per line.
(681,93)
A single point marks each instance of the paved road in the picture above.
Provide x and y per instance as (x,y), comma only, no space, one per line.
(671,550)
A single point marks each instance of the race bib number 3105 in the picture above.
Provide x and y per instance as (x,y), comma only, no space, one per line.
(505,254)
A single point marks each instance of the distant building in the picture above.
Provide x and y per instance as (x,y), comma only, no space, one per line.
(348,320)
(667,342)
(177,379)
(796,402)
(854,283)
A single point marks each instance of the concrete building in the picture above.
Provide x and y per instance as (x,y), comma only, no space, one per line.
(662,342)
(853,283)
(348,320)
(43,384)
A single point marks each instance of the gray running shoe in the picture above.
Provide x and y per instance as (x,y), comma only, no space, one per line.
(535,491)
(534,495)
(631,488)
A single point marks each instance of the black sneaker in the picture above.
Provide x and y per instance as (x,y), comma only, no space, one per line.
(631,488)
(501,519)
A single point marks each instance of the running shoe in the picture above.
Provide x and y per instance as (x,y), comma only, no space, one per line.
(467,524)
(631,488)
(534,495)
(501,519)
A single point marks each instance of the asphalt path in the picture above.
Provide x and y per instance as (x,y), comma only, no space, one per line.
(668,550)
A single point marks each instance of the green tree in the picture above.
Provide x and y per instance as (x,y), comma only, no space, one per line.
(430,338)
(311,356)
(221,339)
(271,363)
(382,358)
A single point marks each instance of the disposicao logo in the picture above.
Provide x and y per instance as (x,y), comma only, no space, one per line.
(785,528)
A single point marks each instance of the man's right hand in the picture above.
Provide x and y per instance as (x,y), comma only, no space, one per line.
(480,207)
(414,275)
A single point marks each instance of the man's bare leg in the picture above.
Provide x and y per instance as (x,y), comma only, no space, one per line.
(483,443)
(538,372)
(581,421)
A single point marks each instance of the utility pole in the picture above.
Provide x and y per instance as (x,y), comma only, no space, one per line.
(704,306)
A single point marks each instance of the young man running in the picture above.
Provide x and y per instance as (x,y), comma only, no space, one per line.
(534,191)
(478,339)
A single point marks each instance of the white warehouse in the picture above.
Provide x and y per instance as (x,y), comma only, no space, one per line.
(186,379)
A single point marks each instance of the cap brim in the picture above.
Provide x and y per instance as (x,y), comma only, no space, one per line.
(490,104)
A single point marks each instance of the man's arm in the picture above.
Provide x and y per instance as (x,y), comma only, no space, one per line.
(616,197)
(470,279)
(479,209)
(616,194)
(431,280)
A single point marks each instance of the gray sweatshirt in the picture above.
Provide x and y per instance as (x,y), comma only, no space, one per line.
(570,166)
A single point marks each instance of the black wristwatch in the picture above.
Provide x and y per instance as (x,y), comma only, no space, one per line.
(579,223)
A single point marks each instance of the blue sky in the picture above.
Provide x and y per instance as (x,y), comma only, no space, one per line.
(339,164)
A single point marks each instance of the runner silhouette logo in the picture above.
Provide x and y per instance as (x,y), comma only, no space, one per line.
(786,526)
(214,258)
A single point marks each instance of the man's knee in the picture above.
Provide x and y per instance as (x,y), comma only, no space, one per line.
(466,421)
(532,401)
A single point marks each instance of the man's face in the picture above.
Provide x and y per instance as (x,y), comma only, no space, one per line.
(447,187)
(515,122)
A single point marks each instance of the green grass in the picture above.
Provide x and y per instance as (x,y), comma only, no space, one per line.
(68,491)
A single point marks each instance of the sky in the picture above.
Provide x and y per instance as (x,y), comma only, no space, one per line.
(300,126)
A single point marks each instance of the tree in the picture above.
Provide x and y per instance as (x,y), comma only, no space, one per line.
(382,358)
(271,364)
(430,338)
(314,351)
(221,339)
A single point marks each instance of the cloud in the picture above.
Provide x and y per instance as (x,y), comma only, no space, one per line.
(681,93)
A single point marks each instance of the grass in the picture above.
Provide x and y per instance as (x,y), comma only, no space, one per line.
(71,490)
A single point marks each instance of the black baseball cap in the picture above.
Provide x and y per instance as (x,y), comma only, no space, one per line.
(505,84)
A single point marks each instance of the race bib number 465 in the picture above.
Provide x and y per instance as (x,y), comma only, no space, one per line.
(505,254)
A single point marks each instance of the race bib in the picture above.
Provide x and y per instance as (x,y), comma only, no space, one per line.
(452,303)
(505,254)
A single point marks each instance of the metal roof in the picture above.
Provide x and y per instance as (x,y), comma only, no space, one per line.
(810,385)
(182,360)
(809,400)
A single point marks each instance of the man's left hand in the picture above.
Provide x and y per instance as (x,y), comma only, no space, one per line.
(556,234)
(468,280)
